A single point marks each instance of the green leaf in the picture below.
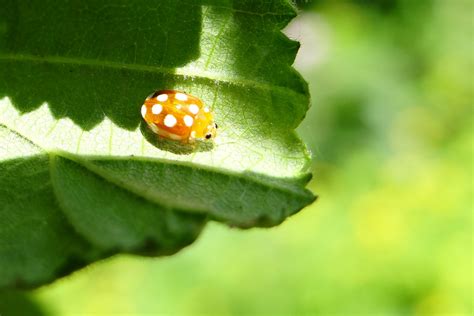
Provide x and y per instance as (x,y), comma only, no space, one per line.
(16,303)
(81,178)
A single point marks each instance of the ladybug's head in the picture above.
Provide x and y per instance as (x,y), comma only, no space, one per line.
(211,131)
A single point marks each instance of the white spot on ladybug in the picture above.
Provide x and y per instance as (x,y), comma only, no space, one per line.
(143,110)
(153,127)
(206,109)
(157,108)
(162,97)
(181,96)
(193,108)
(174,136)
(169,135)
(193,134)
(170,120)
(188,120)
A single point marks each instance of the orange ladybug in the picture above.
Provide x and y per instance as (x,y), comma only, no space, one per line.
(179,116)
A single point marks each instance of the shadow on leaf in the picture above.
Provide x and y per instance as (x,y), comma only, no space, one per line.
(103,60)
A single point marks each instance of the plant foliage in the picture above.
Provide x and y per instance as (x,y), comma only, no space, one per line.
(79,178)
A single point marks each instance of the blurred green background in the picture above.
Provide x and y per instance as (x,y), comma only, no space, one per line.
(391,134)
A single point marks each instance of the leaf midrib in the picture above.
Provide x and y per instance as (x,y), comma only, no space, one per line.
(111,179)
(147,68)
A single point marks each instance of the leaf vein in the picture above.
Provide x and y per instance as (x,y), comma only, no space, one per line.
(148,68)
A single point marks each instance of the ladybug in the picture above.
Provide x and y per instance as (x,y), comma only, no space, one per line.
(178,116)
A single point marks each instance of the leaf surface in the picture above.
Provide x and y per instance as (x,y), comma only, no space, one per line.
(81,178)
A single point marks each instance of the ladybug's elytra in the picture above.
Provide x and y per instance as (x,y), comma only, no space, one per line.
(179,116)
